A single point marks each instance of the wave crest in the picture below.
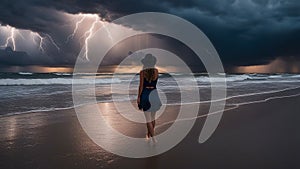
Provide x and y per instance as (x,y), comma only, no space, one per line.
(62,81)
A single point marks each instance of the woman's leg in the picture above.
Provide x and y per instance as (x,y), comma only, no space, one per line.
(153,119)
(150,129)
(149,124)
(153,125)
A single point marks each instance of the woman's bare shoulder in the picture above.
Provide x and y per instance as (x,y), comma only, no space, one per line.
(156,73)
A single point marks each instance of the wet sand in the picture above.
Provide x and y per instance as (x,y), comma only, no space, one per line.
(258,135)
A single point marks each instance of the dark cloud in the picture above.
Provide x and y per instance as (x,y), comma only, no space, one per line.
(248,32)
(244,32)
(10,57)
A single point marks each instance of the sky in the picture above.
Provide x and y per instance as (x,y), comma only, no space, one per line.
(244,32)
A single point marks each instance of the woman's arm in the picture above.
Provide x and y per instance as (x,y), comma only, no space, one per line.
(156,73)
(140,86)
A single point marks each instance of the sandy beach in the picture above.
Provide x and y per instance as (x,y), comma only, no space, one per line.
(263,134)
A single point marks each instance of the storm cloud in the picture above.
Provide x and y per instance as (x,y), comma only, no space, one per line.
(244,32)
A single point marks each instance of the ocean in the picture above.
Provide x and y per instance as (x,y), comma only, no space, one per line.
(25,92)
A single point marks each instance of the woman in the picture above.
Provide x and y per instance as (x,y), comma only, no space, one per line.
(148,99)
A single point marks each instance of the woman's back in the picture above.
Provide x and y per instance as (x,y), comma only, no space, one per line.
(150,84)
(150,78)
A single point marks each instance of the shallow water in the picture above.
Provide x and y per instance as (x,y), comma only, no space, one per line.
(32,92)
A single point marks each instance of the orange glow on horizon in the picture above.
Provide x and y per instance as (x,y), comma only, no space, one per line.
(40,69)
(57,69)
(276,66)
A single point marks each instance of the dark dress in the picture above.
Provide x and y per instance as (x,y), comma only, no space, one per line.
(149,99)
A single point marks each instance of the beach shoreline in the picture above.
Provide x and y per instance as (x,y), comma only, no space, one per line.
(258,135)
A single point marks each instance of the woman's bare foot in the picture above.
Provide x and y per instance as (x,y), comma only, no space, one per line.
(148,135)
(154,140)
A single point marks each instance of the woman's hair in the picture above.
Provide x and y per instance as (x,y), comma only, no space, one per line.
(149,74)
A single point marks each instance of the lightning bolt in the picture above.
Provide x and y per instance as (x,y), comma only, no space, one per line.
(87,35)
(53,42)
(76,28)
(107,31)
(13,33)
(10,38)
(41,41)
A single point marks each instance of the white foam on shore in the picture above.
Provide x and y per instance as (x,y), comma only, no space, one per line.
(235,106)
(238,96)
(223,79)
(247,78)
(25,73)
(63,74)
(62,81)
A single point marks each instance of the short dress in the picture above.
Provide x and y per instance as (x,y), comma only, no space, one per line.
(149,99)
